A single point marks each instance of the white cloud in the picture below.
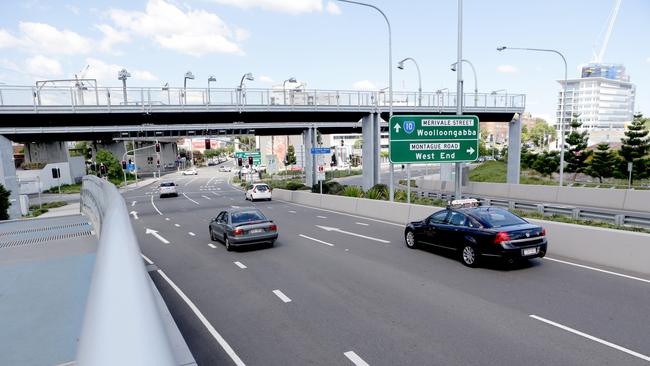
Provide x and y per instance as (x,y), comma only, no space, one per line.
(44,38)
(266,79)
(333,8)
(73,9)
(7,40)
(43,66)
(647,60)
(194,32)
(107,73)
(364,85)
(507,69)
(111,37)
(293,7)
(242,34)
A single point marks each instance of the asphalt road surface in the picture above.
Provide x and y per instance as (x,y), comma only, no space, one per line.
(344,290)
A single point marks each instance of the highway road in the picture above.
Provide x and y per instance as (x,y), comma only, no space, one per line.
(344,290)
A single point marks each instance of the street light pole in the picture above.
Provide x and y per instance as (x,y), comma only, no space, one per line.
(453,68)
(562,106)
(390,82)
(400,65)
(246,76)
(210,79)
(166,88)
(284,88)
(188,75)
(123,75)
(459,95)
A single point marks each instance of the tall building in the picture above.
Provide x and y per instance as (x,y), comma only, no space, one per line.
(603,99)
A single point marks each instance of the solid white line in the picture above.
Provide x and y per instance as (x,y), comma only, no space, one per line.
(191,233)
(316,240)
(211,179)
(206,197)
(146,259)
(595,339)
(215,193)
(361,223)
(212,246)
(321,217)
(242,266)
(282,296)
(154,206)
(358,361)
(190,199)
(291,211)
(350,215)
(599,270)
(133,203)
(222,342)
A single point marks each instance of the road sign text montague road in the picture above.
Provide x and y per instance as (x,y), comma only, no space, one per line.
(433,139)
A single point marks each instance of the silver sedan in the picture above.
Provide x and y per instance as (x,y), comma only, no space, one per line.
(243,226)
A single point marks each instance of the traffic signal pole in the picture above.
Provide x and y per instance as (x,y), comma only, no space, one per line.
(136,166)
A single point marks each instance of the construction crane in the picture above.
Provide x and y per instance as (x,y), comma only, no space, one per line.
(598,54)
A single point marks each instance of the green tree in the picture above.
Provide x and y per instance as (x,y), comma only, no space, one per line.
(547,163)
(527,157)
(358,144)
(291,156)
(4,203)
(482,144)
(540,134)
(81,148)
(575,153)
(635,148)
(111,162)
(603,163)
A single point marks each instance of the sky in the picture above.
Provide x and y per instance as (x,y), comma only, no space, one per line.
(326,44)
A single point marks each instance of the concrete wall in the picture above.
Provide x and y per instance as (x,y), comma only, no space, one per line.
(606,247)
(32,180)
(77,168)
(46,152)
(8,176)
(116,148)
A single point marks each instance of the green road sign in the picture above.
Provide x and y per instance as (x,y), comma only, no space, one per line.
(257,157)
(433,139)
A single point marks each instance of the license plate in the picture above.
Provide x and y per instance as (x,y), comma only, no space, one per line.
(255,231)
(529,251)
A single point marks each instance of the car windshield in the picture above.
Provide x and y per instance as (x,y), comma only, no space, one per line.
(246,216)
(496,217)
(167,184)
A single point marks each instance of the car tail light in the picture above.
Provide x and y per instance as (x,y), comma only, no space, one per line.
(254,190)
(543,232)
(238,231)
(501,237)
(273,227)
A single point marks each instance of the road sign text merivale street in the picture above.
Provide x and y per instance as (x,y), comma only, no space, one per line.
(433,139)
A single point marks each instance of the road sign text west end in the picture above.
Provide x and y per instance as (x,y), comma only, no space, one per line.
(433,139)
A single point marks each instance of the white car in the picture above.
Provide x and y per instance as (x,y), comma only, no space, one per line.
(167,189)
(190,171)
(225,168)
(259,191)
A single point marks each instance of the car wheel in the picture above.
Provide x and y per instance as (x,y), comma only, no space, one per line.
(226,242)
(212,235)
(469,256)
(271,243)
(410,240)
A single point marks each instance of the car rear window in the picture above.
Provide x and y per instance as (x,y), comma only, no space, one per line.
(167,184)
(496,217)
(246,216)
(262,188)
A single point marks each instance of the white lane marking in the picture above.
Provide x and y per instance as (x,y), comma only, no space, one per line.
(156,235)
(206,197)
(282,296)
(361,223)
(166,218)
(232,199)
(351,215)
(316,240)
(327,228)
(218,189)
(291,211)
(222,342)
(133,203)
(215,193)
(598,270)
(190,181)
(154,206)
(242,266)
(321,217)
(146,258)
(191,233)
(210,181)
(135,214)
(212,246)
(595,339)
(358,361)
(190,199)
(177,225)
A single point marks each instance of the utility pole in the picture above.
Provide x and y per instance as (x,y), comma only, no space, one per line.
(459,95)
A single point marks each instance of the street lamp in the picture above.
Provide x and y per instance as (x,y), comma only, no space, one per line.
(166,88)
(400,65)
(188,75)
(453,68)
(495,92)
(562,107)
(390,80)
(210,79)
(247,76)
(123,75)
(284,89)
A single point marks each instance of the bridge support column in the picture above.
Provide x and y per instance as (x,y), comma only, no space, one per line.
(370,136)
(307,143)
(46,152)
(514,150)
(116,148)
(8,176)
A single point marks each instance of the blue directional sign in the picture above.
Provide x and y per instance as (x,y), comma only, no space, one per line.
(131,167)
(321,150)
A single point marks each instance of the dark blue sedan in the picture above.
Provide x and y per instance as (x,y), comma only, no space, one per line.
(478,232)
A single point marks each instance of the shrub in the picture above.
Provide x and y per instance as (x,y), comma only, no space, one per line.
(376,194)
(295,186)
(353,191)
(4,203)
(328,188)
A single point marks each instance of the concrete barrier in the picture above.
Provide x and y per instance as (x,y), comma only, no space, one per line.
(540,193)
(282,194)
(488,189)
(383,210)
(637,200)
(339,203)
(306,198)
(609,198)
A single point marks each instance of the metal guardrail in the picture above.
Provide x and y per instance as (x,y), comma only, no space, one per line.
(66,99)
(122,324)
(576,213)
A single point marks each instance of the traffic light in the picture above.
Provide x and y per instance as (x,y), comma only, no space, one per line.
(157,163)
(157,147)
(240,161)
(207,144)
(123,164)
(102,169)
(250,160)
(56,173)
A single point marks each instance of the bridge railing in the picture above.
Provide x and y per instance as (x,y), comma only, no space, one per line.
(122,324)
(107,98)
